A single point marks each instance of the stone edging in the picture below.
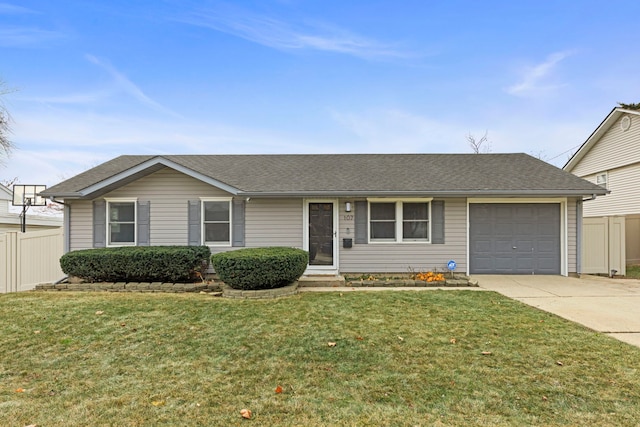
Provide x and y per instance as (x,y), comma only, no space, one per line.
(131,287)
(394,283)
(229,292)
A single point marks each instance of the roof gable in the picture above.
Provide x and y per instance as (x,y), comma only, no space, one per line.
(601,131)
(343,175)
(5,193)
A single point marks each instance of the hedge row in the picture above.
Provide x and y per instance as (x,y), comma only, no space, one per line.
(138,263)
(260,268)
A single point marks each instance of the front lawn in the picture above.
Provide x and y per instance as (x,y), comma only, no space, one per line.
(357,359)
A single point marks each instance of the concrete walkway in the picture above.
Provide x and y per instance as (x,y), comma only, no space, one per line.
(610,306)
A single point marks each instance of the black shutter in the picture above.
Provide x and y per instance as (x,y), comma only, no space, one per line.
(237,232)
(361,222)
(194,223)
(143,225)
(437,221)
(99,223)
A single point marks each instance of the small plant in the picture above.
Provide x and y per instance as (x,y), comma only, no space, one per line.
(429,276)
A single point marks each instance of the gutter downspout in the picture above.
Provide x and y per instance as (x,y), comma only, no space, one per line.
(579,236)
(66,225)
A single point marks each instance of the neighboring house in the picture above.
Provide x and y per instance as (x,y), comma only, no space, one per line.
(367,213)
(610,157)
(37,219)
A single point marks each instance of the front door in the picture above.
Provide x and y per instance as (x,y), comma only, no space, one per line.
(321,236)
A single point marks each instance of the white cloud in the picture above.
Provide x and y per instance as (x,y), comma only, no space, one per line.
(11,9)
(26,36)
(127,86)
(534,80)
(395,131)
(281,35)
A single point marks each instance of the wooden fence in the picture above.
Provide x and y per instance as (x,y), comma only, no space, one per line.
(28,259)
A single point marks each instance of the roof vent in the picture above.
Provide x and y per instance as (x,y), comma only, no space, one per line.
(625,123)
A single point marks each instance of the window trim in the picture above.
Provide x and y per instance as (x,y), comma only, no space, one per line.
(110,200)
(203,200)
(399,220)
(604,184)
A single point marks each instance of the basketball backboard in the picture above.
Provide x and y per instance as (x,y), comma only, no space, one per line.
(27,195)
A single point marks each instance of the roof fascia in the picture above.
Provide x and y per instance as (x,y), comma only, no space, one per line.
(150,163)
(461,193)
(611,118)
(4,189)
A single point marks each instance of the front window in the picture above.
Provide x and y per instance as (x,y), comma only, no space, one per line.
(399,221)
(415,221)
(121,223)
(383,221)
(216,220)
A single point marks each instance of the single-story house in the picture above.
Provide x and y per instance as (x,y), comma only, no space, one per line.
(37,219)
(610,157)
(365,213)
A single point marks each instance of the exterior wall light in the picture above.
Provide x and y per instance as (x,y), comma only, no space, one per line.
(347,207)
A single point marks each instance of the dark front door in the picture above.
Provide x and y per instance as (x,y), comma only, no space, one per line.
(321,234)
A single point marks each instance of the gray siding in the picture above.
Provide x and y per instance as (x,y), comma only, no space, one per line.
(400,258)
(623,199)
(81,227)
(616,148)
(274,222)
(572,249)
(168,192)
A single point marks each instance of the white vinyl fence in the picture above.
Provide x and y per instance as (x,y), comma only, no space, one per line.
(28,259)
(603,246)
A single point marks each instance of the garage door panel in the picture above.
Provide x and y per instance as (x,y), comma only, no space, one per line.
(514,238)
(502,229)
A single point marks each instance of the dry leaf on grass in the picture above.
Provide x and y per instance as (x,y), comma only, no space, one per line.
(99,312)
(278,389)
(559,363)
(401,339)
(486,353)
(158,403)
(245,413)
(20,390)
(453,341)
(331,344)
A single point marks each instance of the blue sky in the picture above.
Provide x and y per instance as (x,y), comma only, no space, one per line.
(96,79)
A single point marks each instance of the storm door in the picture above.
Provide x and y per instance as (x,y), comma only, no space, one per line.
(322,235)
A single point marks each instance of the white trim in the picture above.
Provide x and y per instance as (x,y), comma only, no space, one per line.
(398,221)
(203,200)
(110,200)
(399,199)
(153,162)
(322,269)
(564,224)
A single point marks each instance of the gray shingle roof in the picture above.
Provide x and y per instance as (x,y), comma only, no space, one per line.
(352,174)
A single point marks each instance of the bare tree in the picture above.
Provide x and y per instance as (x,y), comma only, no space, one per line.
(9,182)
(482,145)
(6,145)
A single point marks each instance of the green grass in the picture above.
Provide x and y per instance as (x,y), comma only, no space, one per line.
(194,360)
(633,272)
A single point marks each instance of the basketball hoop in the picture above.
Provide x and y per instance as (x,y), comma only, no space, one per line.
(25,196)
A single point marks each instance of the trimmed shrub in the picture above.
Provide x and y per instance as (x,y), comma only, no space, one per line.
(260,268)
(138,263)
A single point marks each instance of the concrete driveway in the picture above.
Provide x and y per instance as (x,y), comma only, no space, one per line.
(610,306)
